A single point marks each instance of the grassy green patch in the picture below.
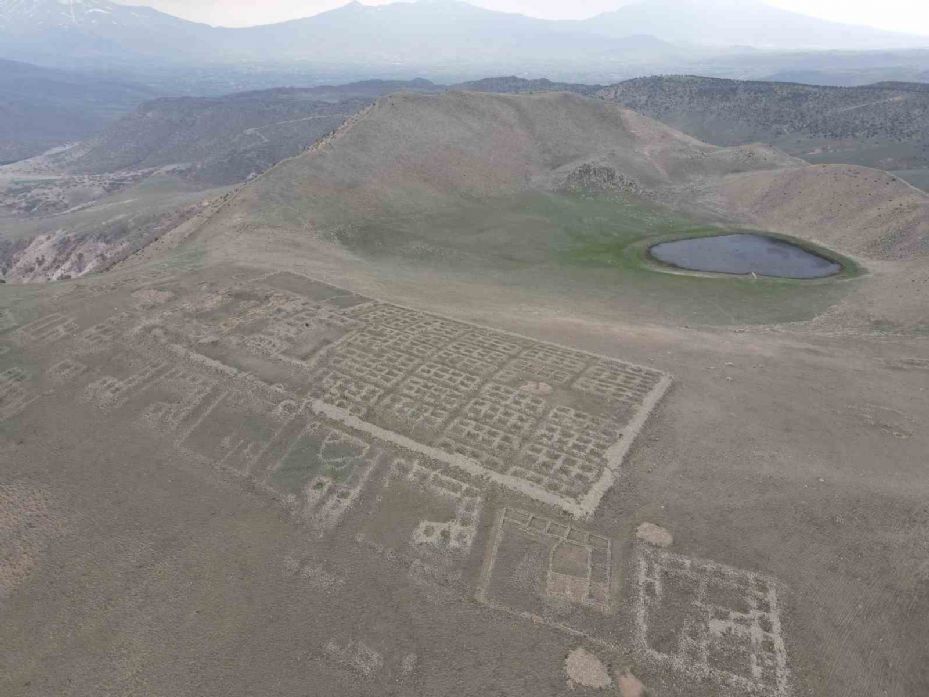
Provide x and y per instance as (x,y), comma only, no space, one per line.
(619,240)
(595,246)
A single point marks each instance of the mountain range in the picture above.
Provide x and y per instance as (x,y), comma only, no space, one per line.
(882,125)
(434,33)
(219,141)
(754,23)
(41,108)
(154,163)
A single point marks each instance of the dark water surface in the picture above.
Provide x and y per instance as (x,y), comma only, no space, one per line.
(744,254)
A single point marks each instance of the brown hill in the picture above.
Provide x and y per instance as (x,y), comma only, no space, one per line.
(412,155)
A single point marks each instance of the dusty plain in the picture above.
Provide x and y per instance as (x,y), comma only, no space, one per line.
(471,454)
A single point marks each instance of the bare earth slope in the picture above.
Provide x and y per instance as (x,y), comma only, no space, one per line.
(413,153)
(864,211)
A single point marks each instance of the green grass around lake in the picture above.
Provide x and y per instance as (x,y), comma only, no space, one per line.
(595,246)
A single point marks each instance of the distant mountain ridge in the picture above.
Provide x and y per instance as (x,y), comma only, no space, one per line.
(220,141)
(42,108)
(228,137)
(408,33)
(742,23)
(512,84)
(435,33)
(885,125)
(61,32)
(891,109)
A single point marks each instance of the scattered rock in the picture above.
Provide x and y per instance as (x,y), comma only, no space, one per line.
(27,524)
(630,685)
(356,656)
(320,579)
(598,179)
(408,665)
(654,535)
(586,670)
(152,298)
(291,565)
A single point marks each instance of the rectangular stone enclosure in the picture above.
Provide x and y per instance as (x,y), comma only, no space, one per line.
(549,422)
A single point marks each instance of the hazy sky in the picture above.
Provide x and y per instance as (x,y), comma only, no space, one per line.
(910,16)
